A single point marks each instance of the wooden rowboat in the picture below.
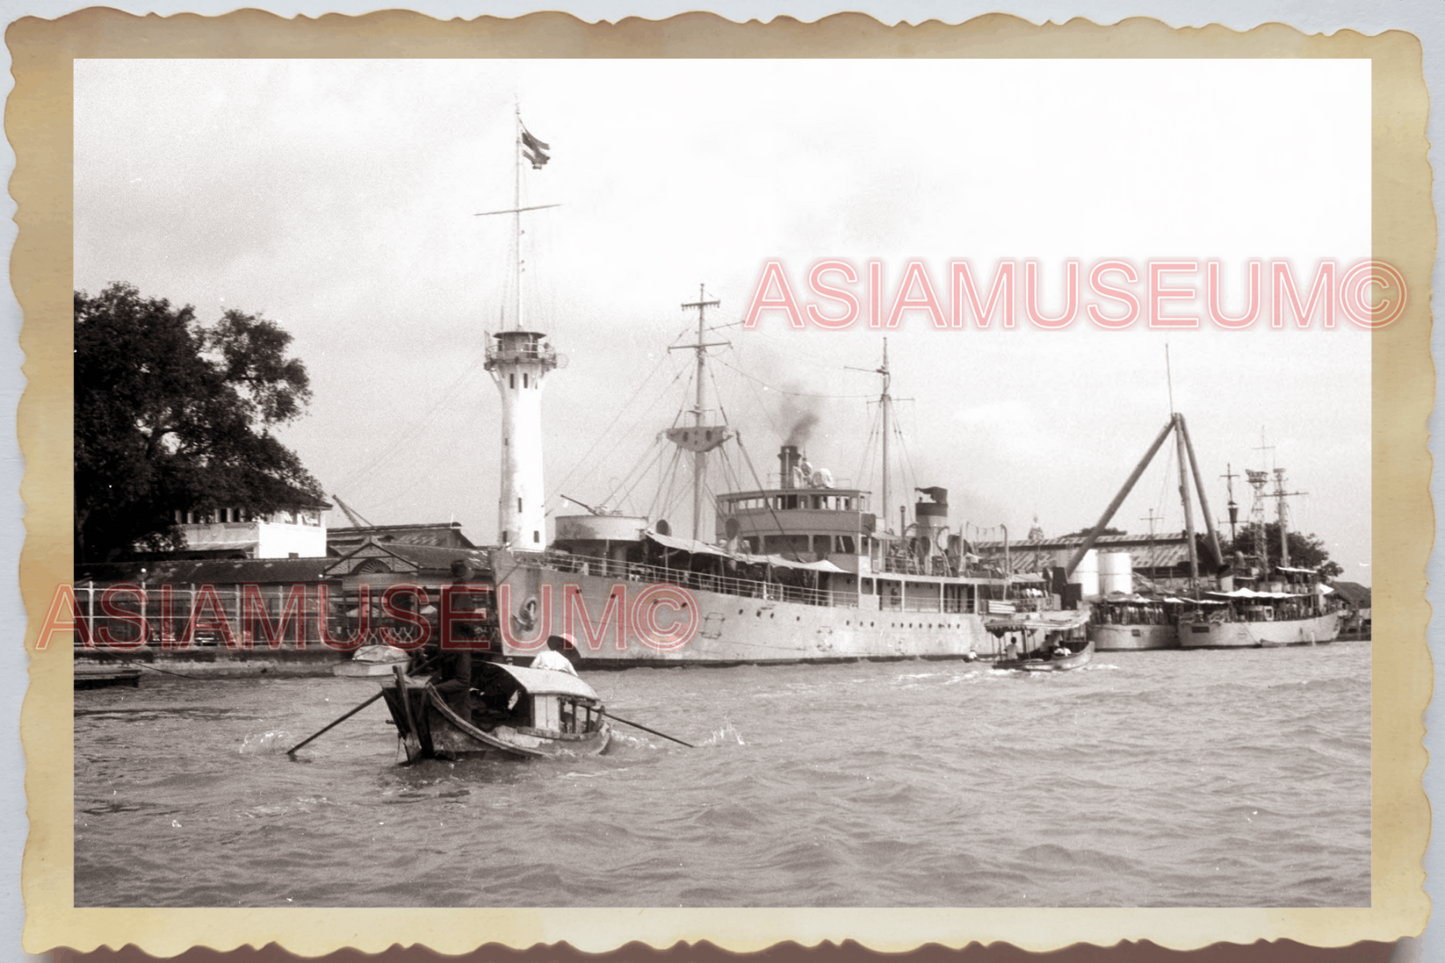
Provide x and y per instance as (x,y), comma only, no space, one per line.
(514,711)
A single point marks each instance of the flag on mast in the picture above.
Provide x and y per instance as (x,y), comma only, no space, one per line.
(535,150)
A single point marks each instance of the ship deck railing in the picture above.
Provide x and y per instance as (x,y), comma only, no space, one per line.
(731,585)
(938,566)
(701,581)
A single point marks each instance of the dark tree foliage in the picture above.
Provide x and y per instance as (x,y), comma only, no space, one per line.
(170,414)
(1108,530)
(1305,551)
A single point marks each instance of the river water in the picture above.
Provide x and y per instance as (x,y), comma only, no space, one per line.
(1184,778)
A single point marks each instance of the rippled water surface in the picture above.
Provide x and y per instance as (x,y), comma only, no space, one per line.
(1145,779)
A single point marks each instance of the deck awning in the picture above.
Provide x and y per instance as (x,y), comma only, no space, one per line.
(685,544)
(1245,593)
(703,548)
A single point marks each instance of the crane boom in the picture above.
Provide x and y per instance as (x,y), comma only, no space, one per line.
(356,518)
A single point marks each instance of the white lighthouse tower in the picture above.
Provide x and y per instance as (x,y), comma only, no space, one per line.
(519,362)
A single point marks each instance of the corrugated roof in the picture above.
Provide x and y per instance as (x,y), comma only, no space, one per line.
(1354,593)
(217,571)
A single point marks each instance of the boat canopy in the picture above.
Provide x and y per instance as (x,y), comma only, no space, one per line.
(1048,621)
(546,681)
(703,548)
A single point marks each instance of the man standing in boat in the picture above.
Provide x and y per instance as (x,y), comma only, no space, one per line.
(470,636)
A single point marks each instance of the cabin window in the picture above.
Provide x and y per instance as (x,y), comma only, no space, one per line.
(865,586)
(512,381)
(843,544)
(822,544)
(780,544)
(524,379)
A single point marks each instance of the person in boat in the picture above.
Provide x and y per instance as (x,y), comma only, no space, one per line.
(553,658)
(474,642)
(1061,651)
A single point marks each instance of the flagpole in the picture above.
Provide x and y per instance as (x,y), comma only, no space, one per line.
(516,206)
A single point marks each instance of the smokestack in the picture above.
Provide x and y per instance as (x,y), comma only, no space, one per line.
(787,461)
(932,516)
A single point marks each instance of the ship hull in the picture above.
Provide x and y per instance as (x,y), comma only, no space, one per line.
(1259,634)
(1119,638)
(727,628)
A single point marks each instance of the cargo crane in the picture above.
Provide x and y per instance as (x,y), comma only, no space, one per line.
(356,518)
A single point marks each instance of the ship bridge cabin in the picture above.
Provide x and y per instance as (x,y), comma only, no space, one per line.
(807,521)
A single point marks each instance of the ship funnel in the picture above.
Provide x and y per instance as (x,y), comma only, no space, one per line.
(788,460)
(931,514)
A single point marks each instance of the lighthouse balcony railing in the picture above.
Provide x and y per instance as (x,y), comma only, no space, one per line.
(698,581)
(525,351)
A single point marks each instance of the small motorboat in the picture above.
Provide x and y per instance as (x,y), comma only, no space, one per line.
(1042,641)
(1062,656)
(512,711)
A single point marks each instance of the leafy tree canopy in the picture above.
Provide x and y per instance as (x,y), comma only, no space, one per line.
(172,415)
(1108,530)
(1305,551)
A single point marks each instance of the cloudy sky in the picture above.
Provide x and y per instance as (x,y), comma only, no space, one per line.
(338,199)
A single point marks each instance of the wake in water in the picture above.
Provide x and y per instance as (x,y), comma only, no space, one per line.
(727,735)
(267,743)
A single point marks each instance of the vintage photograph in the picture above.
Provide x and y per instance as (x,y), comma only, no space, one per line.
(717,483)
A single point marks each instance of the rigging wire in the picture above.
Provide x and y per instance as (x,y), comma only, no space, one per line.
(606,432)
(789,392)
(411,431)
(617,495)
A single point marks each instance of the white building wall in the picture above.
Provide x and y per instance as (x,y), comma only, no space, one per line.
(283,539)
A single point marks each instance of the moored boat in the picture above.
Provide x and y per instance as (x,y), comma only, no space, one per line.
(1134,622)
(1261,619)
(372,660)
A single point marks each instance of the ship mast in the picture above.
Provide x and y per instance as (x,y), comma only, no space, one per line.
(1230,476)
(699,457)
(885,405)
(1280,495)
(701,437)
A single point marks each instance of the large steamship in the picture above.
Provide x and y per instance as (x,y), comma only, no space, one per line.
(797,571)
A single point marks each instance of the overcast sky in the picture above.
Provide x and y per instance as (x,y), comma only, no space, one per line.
(338,199)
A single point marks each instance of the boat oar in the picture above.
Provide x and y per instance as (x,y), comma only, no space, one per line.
(292,750)
(638,725)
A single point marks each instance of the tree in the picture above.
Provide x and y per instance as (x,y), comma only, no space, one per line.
(172,415)
(1305,551)
(1108,530)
